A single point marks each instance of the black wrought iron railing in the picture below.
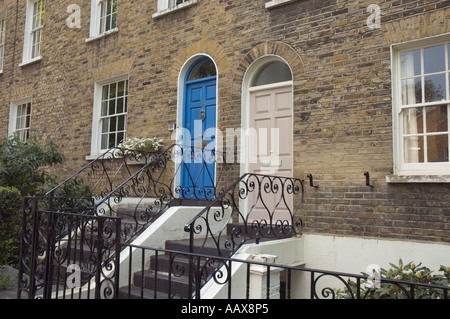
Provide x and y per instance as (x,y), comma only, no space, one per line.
(70,256)
(61,252)
(112,185)
(255,207)
(234,278)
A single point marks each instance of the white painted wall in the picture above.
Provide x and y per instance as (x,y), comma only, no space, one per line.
(354,254)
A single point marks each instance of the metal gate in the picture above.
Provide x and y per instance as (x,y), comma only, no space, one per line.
(66,255)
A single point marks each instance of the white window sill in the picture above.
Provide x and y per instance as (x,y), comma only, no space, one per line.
(104,34)
(276,3)
(176,8)
(91,157)
(34,60)
(399,179)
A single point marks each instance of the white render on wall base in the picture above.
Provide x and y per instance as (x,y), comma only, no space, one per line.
(354,254)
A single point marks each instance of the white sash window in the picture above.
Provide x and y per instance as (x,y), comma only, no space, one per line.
(422,108)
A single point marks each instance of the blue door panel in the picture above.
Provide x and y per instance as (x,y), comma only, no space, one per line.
(198,171)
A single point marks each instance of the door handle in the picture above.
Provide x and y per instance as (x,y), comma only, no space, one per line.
(202,115)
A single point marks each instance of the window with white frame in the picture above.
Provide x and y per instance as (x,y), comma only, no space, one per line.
(110,114)
(422,107)
(2,40)
(34,30)
(167,6)
(103,17)
(20,118)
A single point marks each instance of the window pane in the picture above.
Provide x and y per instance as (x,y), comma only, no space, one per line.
(113,124)
(410,63)
(413,121)
(108,23)
(112,107)
(411,91)
(120,89)
(105,92)
(114,21)
(437,119)
(112,140)
(121,123)
(435,88)
(120,106)
(112,91)
(108,6)
(104,110)
(120,137)
(437,148)
(448,55)
(104,143)
(413,149)
(434,59)
(203,69)
(273,72)
(105,125)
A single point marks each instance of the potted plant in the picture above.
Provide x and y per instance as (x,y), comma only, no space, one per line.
(139,150)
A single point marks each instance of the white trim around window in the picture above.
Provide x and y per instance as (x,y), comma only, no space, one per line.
(421,110)
(169,6)
(2,38)
(277,3)
(110,114)
(104,14)
(34,32)
(20,118)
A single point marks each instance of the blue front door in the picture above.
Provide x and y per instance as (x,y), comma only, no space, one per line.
(199,118)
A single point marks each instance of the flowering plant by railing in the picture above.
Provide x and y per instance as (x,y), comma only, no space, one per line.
(144,145)
(402,281)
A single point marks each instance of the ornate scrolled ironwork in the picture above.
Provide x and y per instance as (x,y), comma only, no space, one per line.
(52,241)
(259,206)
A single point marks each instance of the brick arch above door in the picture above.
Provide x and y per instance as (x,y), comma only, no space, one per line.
(203,47)
(275,48)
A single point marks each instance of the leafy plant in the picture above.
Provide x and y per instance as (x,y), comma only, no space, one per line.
(409,272)
(5,283)
(23,164)
(10,221)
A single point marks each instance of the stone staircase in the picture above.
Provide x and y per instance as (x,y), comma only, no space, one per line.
(167,277)
(168,274)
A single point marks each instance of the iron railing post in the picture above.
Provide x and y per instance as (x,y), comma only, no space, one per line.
(48,279)
(191,266)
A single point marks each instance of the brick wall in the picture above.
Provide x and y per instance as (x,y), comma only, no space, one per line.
(342,77)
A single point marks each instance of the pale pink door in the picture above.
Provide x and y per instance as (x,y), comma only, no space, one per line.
(271,152)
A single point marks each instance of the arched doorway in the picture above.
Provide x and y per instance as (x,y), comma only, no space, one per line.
(199,123)
(267,117)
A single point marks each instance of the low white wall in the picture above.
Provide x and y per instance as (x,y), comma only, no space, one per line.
(330,253)
(287,252)
(354,254)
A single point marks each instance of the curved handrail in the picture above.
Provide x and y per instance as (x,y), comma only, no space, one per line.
(264,206)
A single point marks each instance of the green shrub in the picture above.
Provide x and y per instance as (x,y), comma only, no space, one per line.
(23,164)
(401,272)
(10,225)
